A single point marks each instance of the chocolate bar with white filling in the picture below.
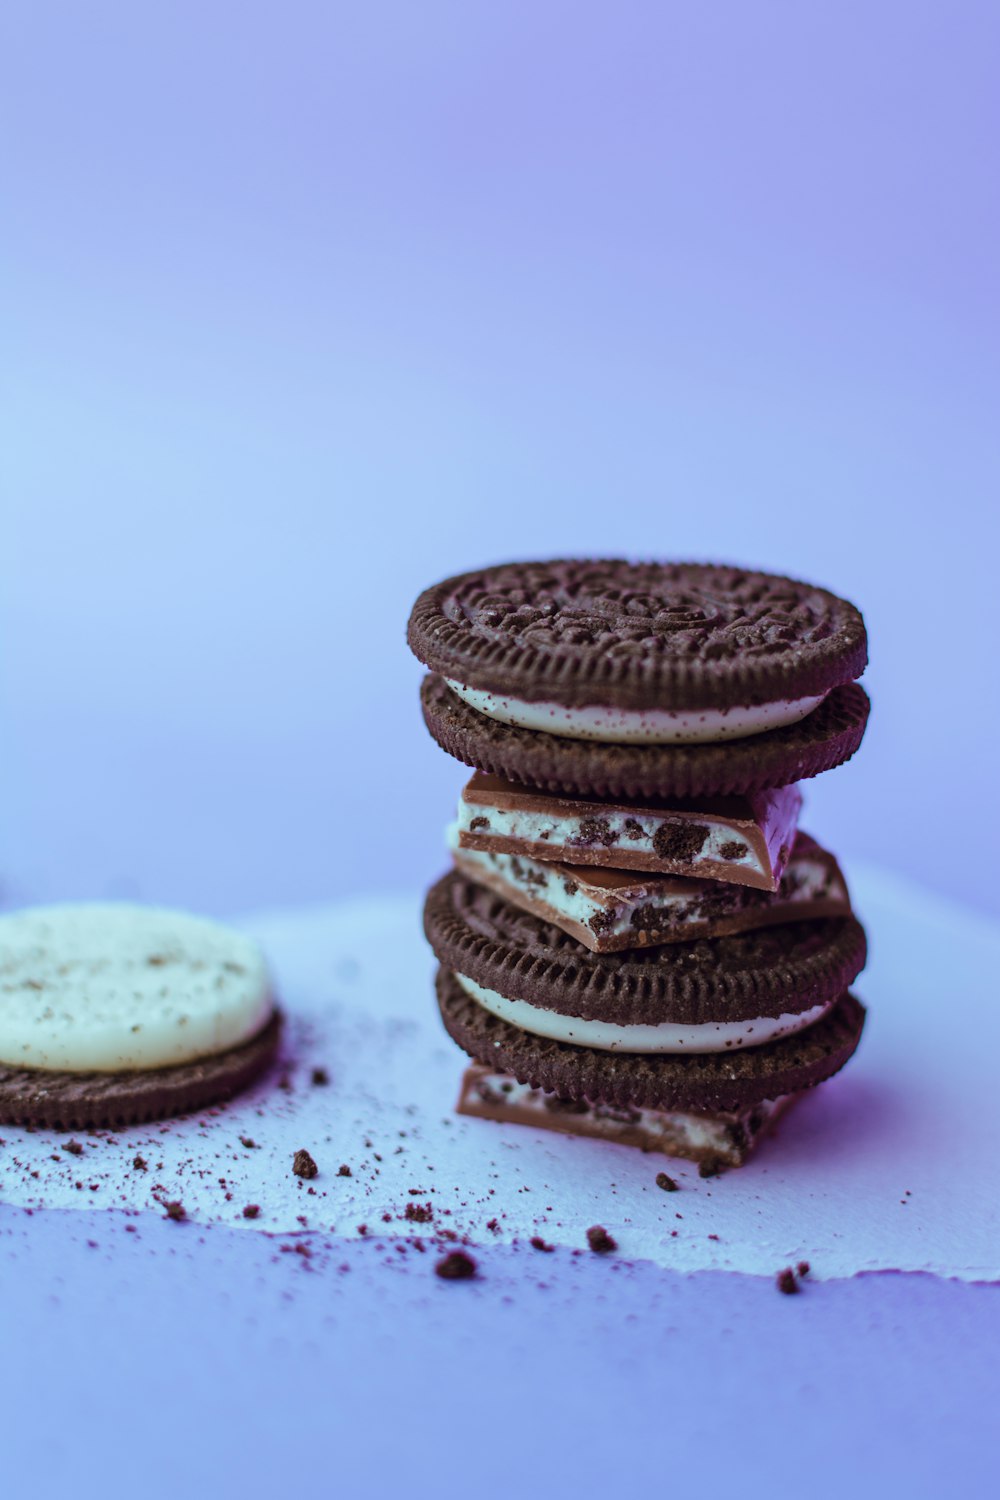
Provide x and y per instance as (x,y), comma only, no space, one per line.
(745,840)
(716,1140)
(608,910)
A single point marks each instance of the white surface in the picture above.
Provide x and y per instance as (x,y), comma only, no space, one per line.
(637,726)
(891,1165)
(105,987)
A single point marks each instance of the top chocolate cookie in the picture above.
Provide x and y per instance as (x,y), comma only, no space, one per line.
(649,652)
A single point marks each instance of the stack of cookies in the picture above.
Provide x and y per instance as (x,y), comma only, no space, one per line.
(637,942)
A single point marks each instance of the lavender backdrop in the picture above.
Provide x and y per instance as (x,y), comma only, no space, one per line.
(308,305)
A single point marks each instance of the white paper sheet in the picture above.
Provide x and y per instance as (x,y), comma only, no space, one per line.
(892,1165)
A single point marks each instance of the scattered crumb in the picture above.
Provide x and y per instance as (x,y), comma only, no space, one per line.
(666,1183)
(139,1163)
(600,1240)
(786,1281)
(303,1165)
(456,1266)
(73,1147)
(802,1269)
(537,1243)
(251,1211)
(175,1210)
(320,1078)
(343,1170)
(248,1142)
(419,1213)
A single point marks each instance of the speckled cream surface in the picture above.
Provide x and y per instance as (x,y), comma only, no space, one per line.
(114,987)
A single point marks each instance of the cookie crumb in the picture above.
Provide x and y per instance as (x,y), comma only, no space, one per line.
(537,1243)
(343,1170)
(418,1213)
(303,1165)
(786,1282)
(175,1211)
(248,1142)
(139,1163)
(320,1078)
(600,1240)
(802,1269)
(456,1266)
(73,1147)
(251,1211)
(666,1183)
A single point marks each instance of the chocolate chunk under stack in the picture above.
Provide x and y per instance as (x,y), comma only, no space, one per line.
(637,941)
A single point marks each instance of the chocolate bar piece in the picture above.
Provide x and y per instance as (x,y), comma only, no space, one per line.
(608,910)
(717,1140)
(746,840)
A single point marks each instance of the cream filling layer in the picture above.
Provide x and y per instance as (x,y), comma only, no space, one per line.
(713,1036)
(623,726)
(110,988)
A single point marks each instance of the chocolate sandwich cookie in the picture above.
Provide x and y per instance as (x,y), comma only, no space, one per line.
(638,653)
(825,738)
(720,994)
(746,840)
(95,1101)
(113,1015)
(608,910)
(699,1081)
(713,1138)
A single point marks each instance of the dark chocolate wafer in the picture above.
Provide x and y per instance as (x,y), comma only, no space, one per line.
(825,738)
(680,636)
(768,973)
(703,1081)
(90,1101)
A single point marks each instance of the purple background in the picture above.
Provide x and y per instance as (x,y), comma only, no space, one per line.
(256,1374)
(309,305)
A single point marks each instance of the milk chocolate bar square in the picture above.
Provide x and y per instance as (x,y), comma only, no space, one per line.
(745,840)
(609,910)
(713,1140)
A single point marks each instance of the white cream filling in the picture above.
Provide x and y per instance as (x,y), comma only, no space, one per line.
(621,726)
(108,988)
(713,1036)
